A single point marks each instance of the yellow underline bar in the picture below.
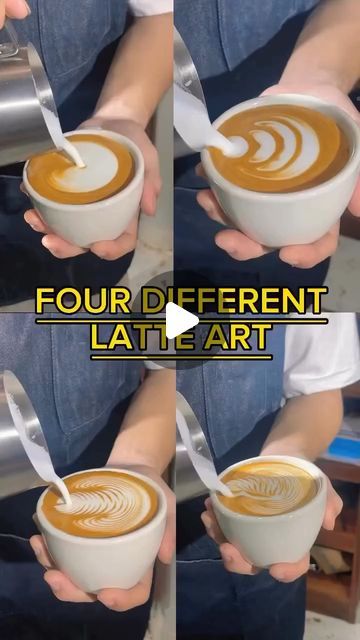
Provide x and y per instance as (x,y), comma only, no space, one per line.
(201,321)
(160,357)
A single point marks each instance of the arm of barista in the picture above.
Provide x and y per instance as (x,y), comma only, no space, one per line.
(306,425)
(328,49)
(147,436)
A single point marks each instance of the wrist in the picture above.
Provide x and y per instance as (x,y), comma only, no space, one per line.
(301,78)
(136,459)
(120,110)
(285,449)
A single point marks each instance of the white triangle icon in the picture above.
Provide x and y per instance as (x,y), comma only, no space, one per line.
(178,320)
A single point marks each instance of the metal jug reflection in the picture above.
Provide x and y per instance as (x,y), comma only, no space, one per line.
(27,105)
(16,471)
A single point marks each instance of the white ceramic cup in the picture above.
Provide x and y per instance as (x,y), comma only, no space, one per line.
(84,224)
(281,219)
(267,540)
(98,563)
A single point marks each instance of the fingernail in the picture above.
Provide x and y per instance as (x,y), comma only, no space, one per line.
(36,549)
(28,7)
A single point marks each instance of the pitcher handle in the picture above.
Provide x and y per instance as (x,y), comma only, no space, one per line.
(11,46)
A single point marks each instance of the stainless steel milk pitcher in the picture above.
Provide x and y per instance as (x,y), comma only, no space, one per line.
(26,101)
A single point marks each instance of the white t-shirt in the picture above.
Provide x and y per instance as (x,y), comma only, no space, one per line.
(322,357)
(150,7)
(318,357)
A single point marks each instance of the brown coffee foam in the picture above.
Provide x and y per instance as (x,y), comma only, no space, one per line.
(70,523)
(265,472)
(334,149)
(43,168)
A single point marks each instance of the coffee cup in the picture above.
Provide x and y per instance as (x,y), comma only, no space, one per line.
(102,560)
(284,536)
(105,219)
(277,219)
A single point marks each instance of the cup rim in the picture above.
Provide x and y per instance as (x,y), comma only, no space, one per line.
(94,206)
(132,535)
(308,466)
(286,98)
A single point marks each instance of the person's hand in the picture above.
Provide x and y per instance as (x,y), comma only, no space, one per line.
(284,572)
(238,245)
(110,249)
(115,599)
(18,9)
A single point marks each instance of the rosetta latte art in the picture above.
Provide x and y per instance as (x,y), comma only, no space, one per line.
(104,504)
(266,489)
(288,148)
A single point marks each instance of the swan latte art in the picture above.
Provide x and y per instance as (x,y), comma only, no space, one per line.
(267,488)
(289,148)
(109,168)
(105,504)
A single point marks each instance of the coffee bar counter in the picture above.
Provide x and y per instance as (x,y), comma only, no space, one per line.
(338,594)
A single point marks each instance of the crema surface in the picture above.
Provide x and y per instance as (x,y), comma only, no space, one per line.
(290,148)
(268,488)
(104,504)
(109,168)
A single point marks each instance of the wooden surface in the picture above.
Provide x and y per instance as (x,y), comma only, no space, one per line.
(338,595)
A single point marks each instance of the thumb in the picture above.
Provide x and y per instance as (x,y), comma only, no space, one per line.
(18,9)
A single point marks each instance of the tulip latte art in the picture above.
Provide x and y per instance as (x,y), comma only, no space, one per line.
(104,504)
(290,148)
(268,488)
(109,168)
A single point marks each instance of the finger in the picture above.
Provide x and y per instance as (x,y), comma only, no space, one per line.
(167,547)
(64,590)
(2,13)
(113,249)
(334,506)
(149,199)
(123,600)
(234,561)
(199,170)
(33,219)
(238,245)
(18,9)
(41,552)
(208,202)
(354,204)
(60,248)
(308,255)
(288,572)
(152,181)
(211,524)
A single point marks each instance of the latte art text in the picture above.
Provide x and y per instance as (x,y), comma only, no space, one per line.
(269,488)
(104,504)
(289,148)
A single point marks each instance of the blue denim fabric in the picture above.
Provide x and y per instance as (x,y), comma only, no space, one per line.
(236,403)
(220,34)
(80,405)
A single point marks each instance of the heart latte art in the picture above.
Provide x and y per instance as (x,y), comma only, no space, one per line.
(109,168)
(268,488)
(104,504)
(289,148)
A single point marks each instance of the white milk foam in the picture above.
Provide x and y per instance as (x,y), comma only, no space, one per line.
(114,503)
(101,166)
(286,164)
(267,494)
(58,138)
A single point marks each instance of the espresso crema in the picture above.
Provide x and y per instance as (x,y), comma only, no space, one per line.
(268,488)
(105,503)
(109,168)
(289,148)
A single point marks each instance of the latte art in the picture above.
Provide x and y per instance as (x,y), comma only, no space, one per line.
(268,488)
(288,148)
(104,504)
(109,167)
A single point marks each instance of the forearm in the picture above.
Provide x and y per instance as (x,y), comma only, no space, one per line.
(306,425)
(141,71)
(147,435)
(328,49)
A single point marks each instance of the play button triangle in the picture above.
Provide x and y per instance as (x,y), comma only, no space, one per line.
(178,320)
